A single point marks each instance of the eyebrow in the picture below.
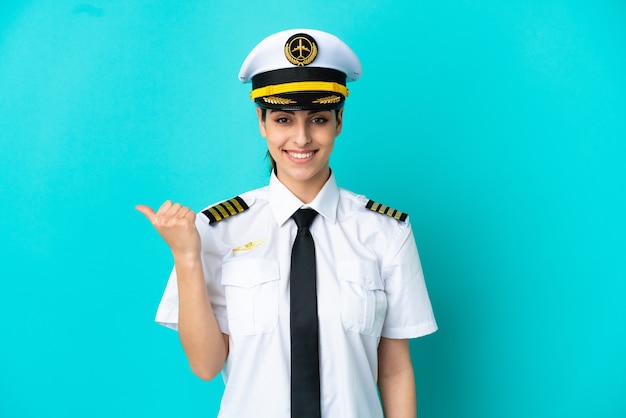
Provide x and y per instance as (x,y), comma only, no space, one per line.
(293,112)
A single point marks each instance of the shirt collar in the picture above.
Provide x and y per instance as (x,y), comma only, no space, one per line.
(284,203)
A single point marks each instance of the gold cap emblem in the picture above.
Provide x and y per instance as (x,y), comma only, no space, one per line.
(301,49)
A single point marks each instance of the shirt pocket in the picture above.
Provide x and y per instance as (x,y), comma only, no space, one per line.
(363,298)
(251,289)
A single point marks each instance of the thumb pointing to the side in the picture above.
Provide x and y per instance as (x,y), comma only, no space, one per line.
(147,211)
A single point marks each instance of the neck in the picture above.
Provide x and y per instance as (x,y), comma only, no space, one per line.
(307,190)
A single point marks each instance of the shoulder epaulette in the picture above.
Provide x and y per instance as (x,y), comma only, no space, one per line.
(225,209)
(386,210)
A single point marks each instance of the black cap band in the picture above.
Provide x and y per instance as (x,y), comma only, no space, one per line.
(295,74)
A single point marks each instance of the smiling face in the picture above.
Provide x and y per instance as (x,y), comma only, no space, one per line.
(300,142)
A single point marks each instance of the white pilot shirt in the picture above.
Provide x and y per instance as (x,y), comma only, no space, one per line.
(369,284)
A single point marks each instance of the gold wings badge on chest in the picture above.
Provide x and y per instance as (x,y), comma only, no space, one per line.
(250,245)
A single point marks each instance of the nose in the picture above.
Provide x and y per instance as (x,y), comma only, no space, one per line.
(301,135)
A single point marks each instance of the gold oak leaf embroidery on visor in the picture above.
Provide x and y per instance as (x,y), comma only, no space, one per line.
(328,100)
(250,245)
(278,100)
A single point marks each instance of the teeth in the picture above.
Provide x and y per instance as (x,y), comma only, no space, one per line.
(301,155)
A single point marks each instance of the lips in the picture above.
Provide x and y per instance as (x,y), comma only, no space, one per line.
(300,155)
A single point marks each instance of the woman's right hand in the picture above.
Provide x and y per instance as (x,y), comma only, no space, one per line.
(176,225)
(204,343)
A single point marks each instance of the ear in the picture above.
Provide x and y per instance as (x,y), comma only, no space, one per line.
(259,115)
(339,122)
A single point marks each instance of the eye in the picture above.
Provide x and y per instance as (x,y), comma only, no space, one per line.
(281,120)
(319,120)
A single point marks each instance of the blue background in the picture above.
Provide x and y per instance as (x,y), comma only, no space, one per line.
(500,127)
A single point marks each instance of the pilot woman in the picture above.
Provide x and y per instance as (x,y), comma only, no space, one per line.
(302,294)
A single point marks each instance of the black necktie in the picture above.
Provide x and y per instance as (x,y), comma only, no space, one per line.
(305,372)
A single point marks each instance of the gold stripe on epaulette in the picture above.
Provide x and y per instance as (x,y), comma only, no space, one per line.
(230,208)
(222,211)
(386,210)
(238,205)
(214,214)
(225,209)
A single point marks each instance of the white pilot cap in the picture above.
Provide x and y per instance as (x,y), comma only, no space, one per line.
(300,69)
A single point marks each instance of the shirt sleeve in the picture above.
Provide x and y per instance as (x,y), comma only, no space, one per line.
(167,311)
(409,311)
